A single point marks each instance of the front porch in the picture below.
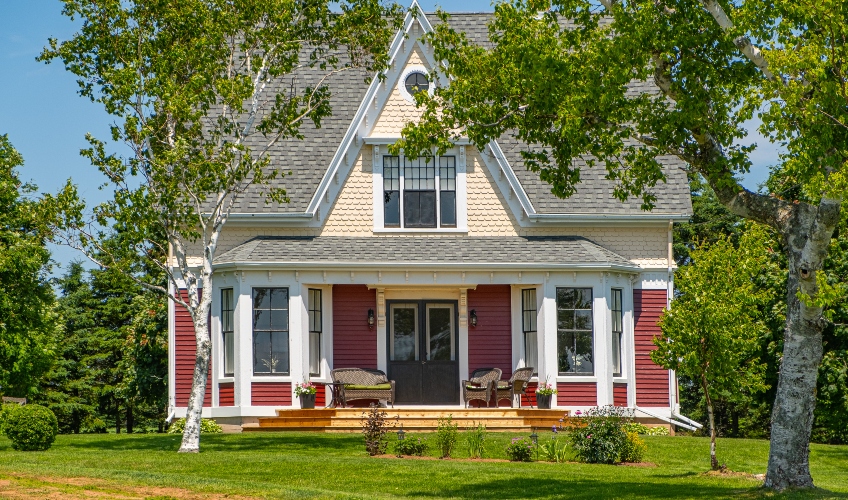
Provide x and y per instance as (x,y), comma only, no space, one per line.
(413,419)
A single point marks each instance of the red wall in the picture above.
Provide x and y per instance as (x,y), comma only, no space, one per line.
(271,394)
(577,394)
(619,394)
(320,396)
(354,344)
(490,342)
(184,356)
(226,394)
(529,398)
(651,379)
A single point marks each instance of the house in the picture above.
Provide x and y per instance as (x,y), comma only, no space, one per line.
(429,270)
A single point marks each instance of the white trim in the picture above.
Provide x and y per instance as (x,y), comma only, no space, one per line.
(576,379)
(172,356)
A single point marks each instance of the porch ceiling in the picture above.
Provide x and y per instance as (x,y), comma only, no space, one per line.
(436,251)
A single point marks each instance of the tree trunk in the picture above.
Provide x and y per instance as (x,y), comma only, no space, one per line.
(792,415)
(191,434)
(130,419)
(710,414)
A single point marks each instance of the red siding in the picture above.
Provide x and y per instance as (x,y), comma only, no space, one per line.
(529,399)
(490,342)
(271,394)
(619,394)
(320,396)
(577,394)
(226,394)
(354,344)
(184,356)
(651,379)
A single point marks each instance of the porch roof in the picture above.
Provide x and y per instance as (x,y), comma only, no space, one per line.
(433,251)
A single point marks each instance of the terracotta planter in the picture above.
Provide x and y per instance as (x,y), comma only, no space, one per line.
(307,401)
(543,401)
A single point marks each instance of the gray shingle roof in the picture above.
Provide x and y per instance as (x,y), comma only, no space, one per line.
(309,159)
(443,250)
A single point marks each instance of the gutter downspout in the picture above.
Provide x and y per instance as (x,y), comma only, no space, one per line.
(666,419)
(687,420)
(672,376)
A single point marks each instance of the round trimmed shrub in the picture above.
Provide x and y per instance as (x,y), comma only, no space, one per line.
(31,428)
(207,426)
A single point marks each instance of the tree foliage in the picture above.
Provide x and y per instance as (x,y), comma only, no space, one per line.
(28,321)
(625,83)
(202,92)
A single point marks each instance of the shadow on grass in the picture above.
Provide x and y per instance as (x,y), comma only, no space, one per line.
(582,489)
(216,442)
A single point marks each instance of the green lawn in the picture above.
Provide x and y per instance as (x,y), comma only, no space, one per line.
(301,465)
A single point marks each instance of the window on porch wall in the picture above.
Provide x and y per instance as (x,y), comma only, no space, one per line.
(315,330)
(270,331)
(528,326)
(227,331)
(575,350)
(617,322)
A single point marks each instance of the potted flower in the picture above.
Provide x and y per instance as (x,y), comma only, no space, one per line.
(306,392)
(543,396)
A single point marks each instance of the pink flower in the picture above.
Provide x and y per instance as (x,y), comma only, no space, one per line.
(578,412)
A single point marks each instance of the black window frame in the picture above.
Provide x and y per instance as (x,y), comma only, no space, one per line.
(316,325)
(424,184)
(530,314)
(617,327)
(227,327)
(415,87)
(577,334)
(274,331)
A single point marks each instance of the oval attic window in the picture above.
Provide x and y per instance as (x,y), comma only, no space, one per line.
(417,82)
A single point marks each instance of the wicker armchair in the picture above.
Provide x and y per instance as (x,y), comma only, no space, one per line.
(517,384)
(363,383)
(481,385)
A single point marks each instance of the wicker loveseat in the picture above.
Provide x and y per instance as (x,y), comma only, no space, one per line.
(363,383)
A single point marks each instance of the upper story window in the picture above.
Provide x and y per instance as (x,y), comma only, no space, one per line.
(417,82)
(419,193)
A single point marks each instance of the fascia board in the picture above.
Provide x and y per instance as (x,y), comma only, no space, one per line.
(603,266)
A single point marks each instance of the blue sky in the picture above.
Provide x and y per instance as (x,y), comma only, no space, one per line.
(47,120)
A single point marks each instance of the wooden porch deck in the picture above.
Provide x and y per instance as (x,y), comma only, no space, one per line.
(413,419)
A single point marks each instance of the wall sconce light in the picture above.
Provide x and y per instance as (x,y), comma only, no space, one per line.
(370,319)
(473,318)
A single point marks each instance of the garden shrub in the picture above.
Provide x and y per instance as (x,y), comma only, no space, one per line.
(644,430)
(374,428)
(659,430)
(95,425)
(446,435)
(415,447)
(5,411)
(31,427)
(476,437)
(553,451)
(602,437)
(634,448)
(207,426)
(519,450)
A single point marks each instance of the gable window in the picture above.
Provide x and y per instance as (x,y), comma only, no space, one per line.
(316,326)
(574,331)
(270,331)
(528,325)
(416,82)
(422,194)
(617,322)
(228,331)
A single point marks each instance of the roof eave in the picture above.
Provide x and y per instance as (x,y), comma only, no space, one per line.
(597,266)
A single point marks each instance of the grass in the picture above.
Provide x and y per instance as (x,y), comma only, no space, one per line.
(304,465)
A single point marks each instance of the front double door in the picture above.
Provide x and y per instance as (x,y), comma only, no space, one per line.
(423,356)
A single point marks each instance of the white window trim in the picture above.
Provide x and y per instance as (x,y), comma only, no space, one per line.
(461,194)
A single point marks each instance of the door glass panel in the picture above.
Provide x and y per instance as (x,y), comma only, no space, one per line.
(404,328)
(440,338)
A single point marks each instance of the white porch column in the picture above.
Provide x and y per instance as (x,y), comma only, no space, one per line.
(299,350)
(243,331)
(603,341)
(547,338)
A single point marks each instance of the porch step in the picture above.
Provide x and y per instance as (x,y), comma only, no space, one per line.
(413,419)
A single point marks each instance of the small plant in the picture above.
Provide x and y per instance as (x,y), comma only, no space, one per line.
(476,436)
(553,450)
(659,430)
(644,430)
(601,437)
(519,450)
(31,427)
(546,390)
(375,425)
(305,389)
(634,448)
(446,435)
(207,426)
(414,447)
(93,425)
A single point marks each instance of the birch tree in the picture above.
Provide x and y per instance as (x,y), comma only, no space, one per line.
(201,92)
(559,77)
